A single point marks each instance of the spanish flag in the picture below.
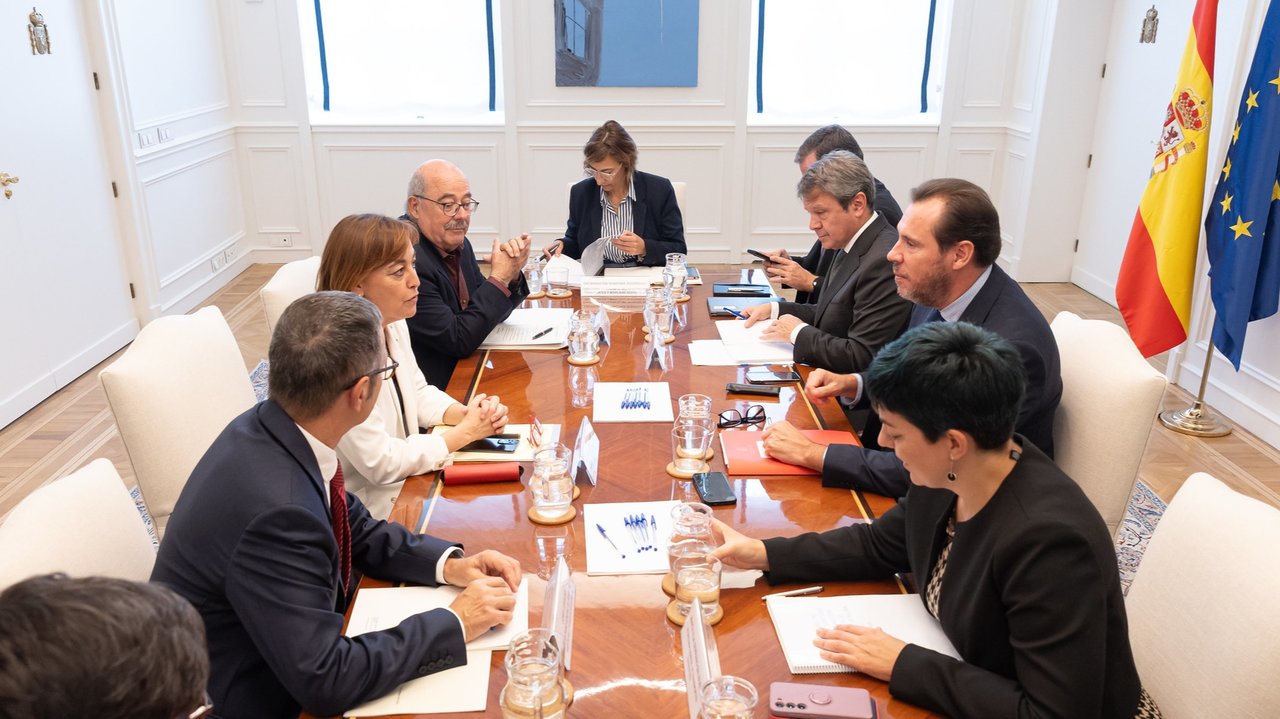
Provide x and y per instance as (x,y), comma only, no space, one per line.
(1158,270)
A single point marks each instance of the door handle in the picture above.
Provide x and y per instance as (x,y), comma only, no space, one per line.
(5,180)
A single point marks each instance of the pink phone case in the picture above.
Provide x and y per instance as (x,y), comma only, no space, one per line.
(814,701)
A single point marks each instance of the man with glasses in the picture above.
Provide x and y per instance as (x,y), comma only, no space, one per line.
(457,306)
(268,545)
(100,647)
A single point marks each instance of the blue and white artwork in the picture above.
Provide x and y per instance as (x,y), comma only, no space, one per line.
(626,43)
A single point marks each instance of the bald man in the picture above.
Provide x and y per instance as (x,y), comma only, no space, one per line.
(457,305)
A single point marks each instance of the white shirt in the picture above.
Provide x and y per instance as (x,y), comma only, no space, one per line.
(381,451)
(848,246)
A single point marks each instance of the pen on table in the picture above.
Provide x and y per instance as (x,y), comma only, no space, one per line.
(547,330)
(794,593)
(610,541)
(734,312)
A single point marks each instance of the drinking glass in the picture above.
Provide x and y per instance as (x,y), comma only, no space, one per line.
(533,689)
(533,275)
(582,385)
(658,311)
(691,520)
(551,485)
(728,697)
(558,282)
(689,444)
(697,577)
(696,409)
(685,549)
(584,341)
(677,268)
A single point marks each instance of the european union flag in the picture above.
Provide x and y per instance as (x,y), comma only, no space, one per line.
(1242,229)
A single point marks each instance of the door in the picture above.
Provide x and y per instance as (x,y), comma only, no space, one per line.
(63,290)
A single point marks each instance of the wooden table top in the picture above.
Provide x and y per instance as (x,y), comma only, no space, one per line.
(626,655)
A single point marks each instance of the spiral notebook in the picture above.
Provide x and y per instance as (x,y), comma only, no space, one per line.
(797,619)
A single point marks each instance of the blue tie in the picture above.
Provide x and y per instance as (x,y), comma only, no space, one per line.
(934,315)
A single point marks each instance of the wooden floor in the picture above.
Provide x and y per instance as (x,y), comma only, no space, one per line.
(75,425)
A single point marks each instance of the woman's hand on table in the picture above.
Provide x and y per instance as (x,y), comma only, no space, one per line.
(737,549)
(866,649)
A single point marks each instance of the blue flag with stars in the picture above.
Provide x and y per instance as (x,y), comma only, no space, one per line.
(1242,229)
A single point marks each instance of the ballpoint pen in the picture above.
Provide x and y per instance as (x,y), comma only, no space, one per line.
(734,312)
(610,541)
(793,593)
(539,334)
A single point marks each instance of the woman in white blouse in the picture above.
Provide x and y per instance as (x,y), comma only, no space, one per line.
(372,256)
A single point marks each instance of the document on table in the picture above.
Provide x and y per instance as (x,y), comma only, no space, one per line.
(632,551)
(653,274)
(631,402)
(460,689)
(525,328)
(620,294)
(797,619)
(743,344)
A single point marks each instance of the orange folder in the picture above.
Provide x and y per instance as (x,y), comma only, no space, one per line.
(744,451)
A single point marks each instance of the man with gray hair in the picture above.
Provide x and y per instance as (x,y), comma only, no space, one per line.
(859,310)
(268,545)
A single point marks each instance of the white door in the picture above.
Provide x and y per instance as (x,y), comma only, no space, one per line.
(64,296)
(1135,93)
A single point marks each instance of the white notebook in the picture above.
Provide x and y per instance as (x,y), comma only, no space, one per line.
(797,619)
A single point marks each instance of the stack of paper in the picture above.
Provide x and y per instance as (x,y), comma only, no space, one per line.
(653,274)
(619,294)
(531,328)
(739,344)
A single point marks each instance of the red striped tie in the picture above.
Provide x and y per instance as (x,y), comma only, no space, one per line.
(341,525)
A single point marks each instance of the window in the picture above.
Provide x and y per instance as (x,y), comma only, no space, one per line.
(848,60)
(401,60)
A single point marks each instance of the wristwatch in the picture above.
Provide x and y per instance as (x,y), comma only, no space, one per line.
(816,280)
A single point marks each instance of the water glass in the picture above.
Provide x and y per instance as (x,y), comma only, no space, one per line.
(584,341)
(677,268)
(691,520)
(688,549)
(697,577)
(551,543)
(658,310)
(728,697)
(551,485)
(533,275)
(696,409)
(558,282)
(582,385)
(689,445)
(533,689)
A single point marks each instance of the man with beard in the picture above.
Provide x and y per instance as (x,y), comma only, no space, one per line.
(944,262)
(457,305)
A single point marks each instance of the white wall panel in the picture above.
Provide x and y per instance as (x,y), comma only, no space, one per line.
(173,57)
(987,31)
(255,31)
(275,197)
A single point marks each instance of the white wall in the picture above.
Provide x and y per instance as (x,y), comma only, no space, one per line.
(244,170)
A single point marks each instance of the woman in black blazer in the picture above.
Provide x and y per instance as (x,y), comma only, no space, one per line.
(637,209)
(1012,557)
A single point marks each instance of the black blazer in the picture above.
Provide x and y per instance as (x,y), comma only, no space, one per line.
(817,262)
(250,544)
(656,217)
(1003,308)
(1031,597)
(858,312)
(442,332)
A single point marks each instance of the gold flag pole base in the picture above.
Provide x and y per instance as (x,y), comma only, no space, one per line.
(1196,420)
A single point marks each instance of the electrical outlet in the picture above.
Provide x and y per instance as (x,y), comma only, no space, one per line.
(229,255)
(147,138)
(163,134)
(218,261)
(282,241)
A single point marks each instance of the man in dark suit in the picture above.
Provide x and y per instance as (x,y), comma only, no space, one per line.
(806,275)
(944,262)
(267,544)
(859,310)
(457,306)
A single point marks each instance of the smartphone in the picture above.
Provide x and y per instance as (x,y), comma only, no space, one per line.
(494,443)
(738,388)
(713,488)
(758,253)
(815,701)
(766,376)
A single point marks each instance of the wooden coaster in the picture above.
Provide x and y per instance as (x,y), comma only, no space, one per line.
(584,363)
(568,691)
(535,295)
(666,338)
(682,300)
(710,454)
(673,614)
(577,491)
(679,474)
(536,517)
(669,584)
(559,294)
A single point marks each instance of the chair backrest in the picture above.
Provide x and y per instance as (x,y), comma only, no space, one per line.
(172,392)
(82,524)
(1202,608)
(1110,396)
(291,281)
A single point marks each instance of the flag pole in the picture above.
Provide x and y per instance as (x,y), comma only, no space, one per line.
(1196,420)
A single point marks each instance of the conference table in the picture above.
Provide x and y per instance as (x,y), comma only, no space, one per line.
(626,658)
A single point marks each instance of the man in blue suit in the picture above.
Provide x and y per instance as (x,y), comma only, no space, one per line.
(457,305)
(267,544)
(944,262)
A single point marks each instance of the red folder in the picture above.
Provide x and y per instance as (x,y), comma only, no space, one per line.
(744,451)
(482,472)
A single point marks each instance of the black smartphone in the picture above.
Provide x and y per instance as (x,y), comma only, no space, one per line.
(494,443)
(713,488)
(767,376)
(738,388)
(758,253)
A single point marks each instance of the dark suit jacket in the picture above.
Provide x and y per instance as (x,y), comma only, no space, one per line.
(656,217)
(251,545)
(817,263)
(1003,308)
(442,332)
(859,310)
(1031,597)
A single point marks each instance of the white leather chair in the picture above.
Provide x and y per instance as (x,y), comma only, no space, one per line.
(291,281)
(1202,608)
(1110,395)
(82,524)
(172,392)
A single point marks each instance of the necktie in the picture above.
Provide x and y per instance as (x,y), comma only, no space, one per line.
(341,525)
(454,268)
(934,316)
